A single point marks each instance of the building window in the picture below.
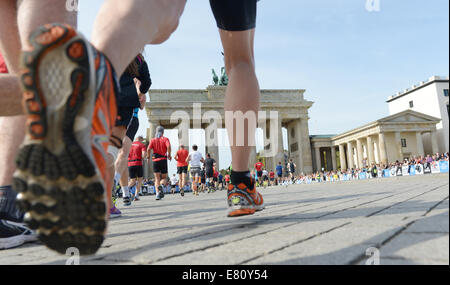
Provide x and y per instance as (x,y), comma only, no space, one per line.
(403,142)
(294,147)
(446,92)
(411,104)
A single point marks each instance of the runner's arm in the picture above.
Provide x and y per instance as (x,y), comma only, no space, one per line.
(169,151)
(144,77)
(149,150)
(144,152)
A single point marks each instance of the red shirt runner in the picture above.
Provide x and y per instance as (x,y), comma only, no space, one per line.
(3,68)
(182,156)
(135,156)
(259,166)
(272,174)
(159,147)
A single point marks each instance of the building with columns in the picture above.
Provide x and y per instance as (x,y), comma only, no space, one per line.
(384,141)
(403,134)
(430,97)
(203,109)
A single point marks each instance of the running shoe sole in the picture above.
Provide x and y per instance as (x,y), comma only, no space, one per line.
(60,188)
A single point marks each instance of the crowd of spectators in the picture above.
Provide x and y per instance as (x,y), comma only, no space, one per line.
(367,172)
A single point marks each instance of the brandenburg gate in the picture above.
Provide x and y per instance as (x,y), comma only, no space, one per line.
(203,109)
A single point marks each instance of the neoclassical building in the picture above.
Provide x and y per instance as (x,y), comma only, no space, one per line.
(430,97)
(385,140)
(203,109)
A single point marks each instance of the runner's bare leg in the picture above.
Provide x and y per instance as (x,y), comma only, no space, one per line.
(121,165)
(243,93)
(19,20)
(136,23)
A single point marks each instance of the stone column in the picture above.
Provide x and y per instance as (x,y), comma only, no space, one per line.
(302,130)
(342,157)
(318,159)
(370,151)
(212,143)
(295,139)
(398,144)
(333,157)
(434,142)
(183,133)
(420,149)
(267,143)
(351,162)
(214,152)
(152,129)
(273,141)
(359,150)
(280,148)
(382,148)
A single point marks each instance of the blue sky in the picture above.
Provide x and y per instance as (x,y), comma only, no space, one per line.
(348,59)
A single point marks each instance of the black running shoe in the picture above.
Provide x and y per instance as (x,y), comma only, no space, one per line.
(127,201)
(161,191)
(14,234)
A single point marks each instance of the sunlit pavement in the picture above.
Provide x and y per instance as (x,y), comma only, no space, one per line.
(403,220)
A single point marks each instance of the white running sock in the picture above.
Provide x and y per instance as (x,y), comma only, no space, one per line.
(126,191)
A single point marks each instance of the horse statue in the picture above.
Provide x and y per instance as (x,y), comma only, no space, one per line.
(223,78)
(215,78)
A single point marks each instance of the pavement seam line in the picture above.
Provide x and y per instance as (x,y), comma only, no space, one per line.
(360,258)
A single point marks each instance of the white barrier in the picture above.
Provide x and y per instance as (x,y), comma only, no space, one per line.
(395,171)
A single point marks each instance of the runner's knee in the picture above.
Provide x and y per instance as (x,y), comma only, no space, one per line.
(171,20)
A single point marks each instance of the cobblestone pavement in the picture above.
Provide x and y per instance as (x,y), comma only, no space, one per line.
(403,220)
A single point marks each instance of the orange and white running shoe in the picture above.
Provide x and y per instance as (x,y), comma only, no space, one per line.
(244,200)
(69,93)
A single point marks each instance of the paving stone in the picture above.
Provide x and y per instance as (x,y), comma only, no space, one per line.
(406,218)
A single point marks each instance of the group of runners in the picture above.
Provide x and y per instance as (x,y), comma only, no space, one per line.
(265,178)
(67,133)
(203,172)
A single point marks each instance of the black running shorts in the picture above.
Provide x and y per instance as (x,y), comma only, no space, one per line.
(234,15)
(135,172)
(124,116)
(209,173)
(133,128)
(182,169)
(160,166)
